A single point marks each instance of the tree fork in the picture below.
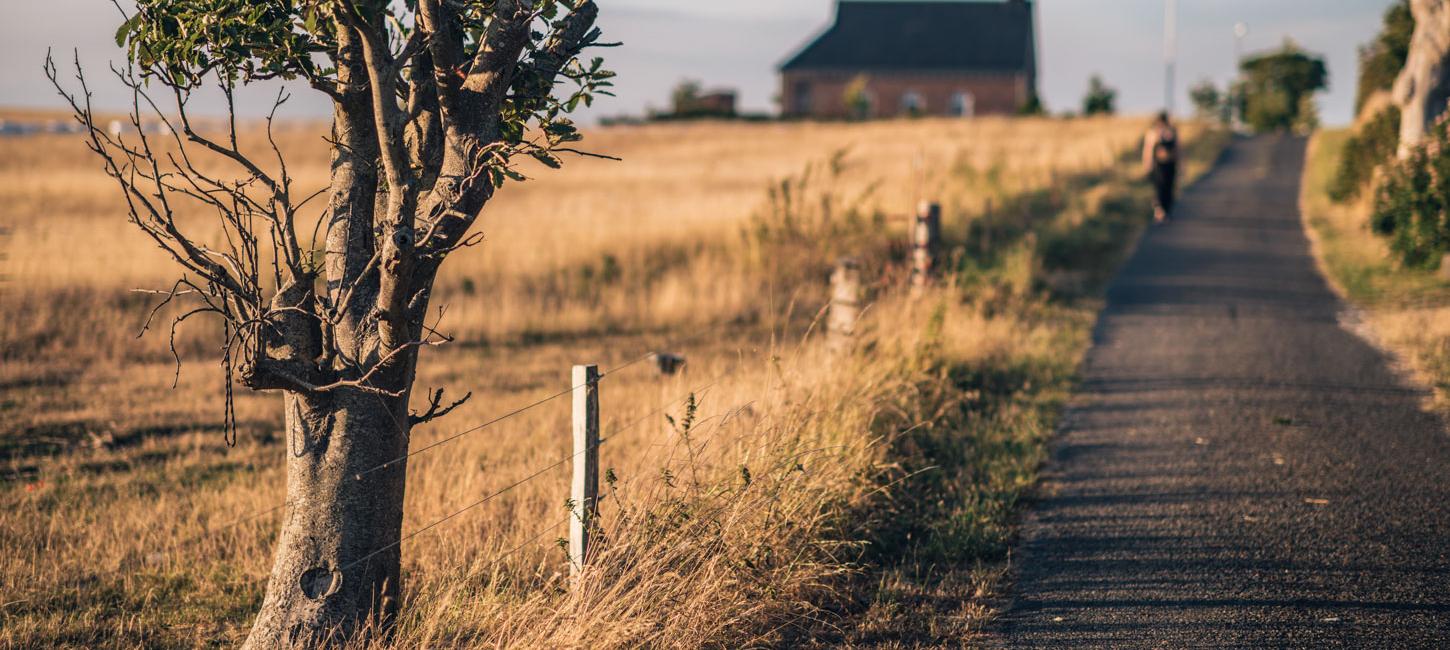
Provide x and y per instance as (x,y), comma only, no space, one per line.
(421,139)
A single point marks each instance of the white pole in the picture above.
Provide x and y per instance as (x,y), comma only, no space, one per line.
(586,465)
(1170,52)
(1240,31)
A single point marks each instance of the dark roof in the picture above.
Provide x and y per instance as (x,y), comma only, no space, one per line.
(994,36)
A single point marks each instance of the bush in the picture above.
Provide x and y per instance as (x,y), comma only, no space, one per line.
(1371,147)
(1410,207)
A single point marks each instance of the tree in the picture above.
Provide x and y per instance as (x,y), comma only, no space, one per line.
(1033,107)
(1208,101)
(685,98)
(1100,99)
(1423,86)
(1277,85)
(434,103)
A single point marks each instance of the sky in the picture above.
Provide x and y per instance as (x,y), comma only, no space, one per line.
(738,44)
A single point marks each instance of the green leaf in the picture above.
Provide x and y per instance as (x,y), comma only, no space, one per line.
(125,29)
(547,159)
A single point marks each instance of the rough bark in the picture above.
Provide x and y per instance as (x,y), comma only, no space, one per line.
(1423,87)
(320,586)
(323,583)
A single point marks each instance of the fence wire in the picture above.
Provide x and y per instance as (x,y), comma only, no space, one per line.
(474,429)
(501,418)
(536,474)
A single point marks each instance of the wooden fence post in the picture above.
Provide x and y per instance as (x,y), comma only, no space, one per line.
(986,231)
(585,493)
(925,243)
(846,299)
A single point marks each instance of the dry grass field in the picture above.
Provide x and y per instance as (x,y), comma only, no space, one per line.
(788,492)
(1407,311)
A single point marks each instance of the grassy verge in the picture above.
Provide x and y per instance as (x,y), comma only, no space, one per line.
(1004,345)
(1407,310)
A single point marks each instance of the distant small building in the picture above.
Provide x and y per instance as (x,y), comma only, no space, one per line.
(891,58)
(717,102)
(690,102)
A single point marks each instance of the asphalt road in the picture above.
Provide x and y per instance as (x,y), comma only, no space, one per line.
(1238,470)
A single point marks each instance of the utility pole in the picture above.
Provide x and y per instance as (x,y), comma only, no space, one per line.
(1170,52)
(1240,31)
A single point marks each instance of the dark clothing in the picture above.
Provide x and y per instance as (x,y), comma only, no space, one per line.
(1160,152)
(1165,179)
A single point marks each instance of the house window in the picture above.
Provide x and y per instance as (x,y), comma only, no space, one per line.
(964,104)
(801,97)
(912,103)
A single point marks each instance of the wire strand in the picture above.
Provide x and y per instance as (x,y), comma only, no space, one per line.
(468,507)
(497,559)
(496,420)
(664,405)
(686,341)
(231,524)
(535,475)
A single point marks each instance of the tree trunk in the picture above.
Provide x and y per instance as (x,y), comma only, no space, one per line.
(324,584)
(1423,87)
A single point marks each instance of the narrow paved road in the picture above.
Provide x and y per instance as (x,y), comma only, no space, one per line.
(1237,470)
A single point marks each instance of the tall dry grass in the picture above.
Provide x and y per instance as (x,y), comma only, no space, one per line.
(124,521)
(680,191)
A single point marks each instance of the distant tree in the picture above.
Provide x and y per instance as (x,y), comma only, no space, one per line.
(1100,99)
(435,103)
(857,98)
(1380,61)
(1033,106)
(685,98)
(1279,87)
(1209,102)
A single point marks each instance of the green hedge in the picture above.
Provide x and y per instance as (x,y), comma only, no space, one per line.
(1371,147)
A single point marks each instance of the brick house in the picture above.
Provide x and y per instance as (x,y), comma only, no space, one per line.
(894,58)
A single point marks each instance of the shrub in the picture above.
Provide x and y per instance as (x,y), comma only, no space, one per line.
(1410,206)
(1371,147)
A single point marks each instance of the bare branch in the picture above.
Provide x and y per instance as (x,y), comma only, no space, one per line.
(434,411)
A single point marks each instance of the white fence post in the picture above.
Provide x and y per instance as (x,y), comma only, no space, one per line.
(585,492)
(845,306)
(925,243)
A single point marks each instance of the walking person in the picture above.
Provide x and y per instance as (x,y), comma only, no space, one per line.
(1160,162)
